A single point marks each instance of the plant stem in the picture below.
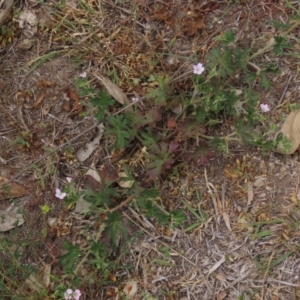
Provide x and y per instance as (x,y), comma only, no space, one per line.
(227,137)
(272,42)
(263,50)
(99,234)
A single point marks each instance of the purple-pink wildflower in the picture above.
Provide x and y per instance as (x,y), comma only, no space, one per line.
(265,107)
(70,295)
(59,194)
(198,69)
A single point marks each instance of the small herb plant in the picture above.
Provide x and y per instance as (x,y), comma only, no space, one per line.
(222,86)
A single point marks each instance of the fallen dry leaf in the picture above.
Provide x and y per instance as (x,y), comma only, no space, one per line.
(75,108)
(130,288)
(13,190)
(191,27)
(73,96)
(171,123)
(114,90)
(85,152)
(28,22)
(44,84)
(232,173)
(217,265)
(226,220)
(91,181)
(5,12)
(291,130)
(39,100)
(250,193)
(294,199)
(10,220)
(40,281)
(222,295)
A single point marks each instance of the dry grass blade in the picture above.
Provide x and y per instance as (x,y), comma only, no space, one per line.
(217,265)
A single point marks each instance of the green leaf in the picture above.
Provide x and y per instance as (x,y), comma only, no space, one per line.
(264,81)
(100,257)
(160,158)
(121,127)
(281,45)
(115,228)
(101,102)
(68,260)
(222,60)
(280,26)
(102,199)
(250,77)
(178,217)
(227,38)
(241,57)
(152,211)
(160,94)
(147,138)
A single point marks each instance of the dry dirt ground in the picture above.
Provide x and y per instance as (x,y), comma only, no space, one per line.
(241,237)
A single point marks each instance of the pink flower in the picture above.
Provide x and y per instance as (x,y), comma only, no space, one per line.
(265,107)
(198,69)
(83,75)
(70,295)
(69,179)
(76,294)
(59,194)
(135,99)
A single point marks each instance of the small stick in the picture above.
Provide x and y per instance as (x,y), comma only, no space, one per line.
(265,276)
(285,89)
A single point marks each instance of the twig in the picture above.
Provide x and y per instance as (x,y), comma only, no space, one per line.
(285,89)
(265,276)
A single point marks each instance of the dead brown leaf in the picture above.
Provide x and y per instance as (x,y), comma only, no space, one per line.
(73,96)
(171,123)
(222,295)
(40,281)
(250,193)
(5,12)
(290,130)
(44,84)
(226,220)
(76,108)
(130,288)
(232,173)
(191,27)
(67,107)
(114,90)
(39,100)
(10,220)
(14,190)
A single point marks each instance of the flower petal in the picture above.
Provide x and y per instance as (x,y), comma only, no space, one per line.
(264,107)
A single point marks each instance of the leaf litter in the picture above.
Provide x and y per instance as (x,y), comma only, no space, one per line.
(198,267)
